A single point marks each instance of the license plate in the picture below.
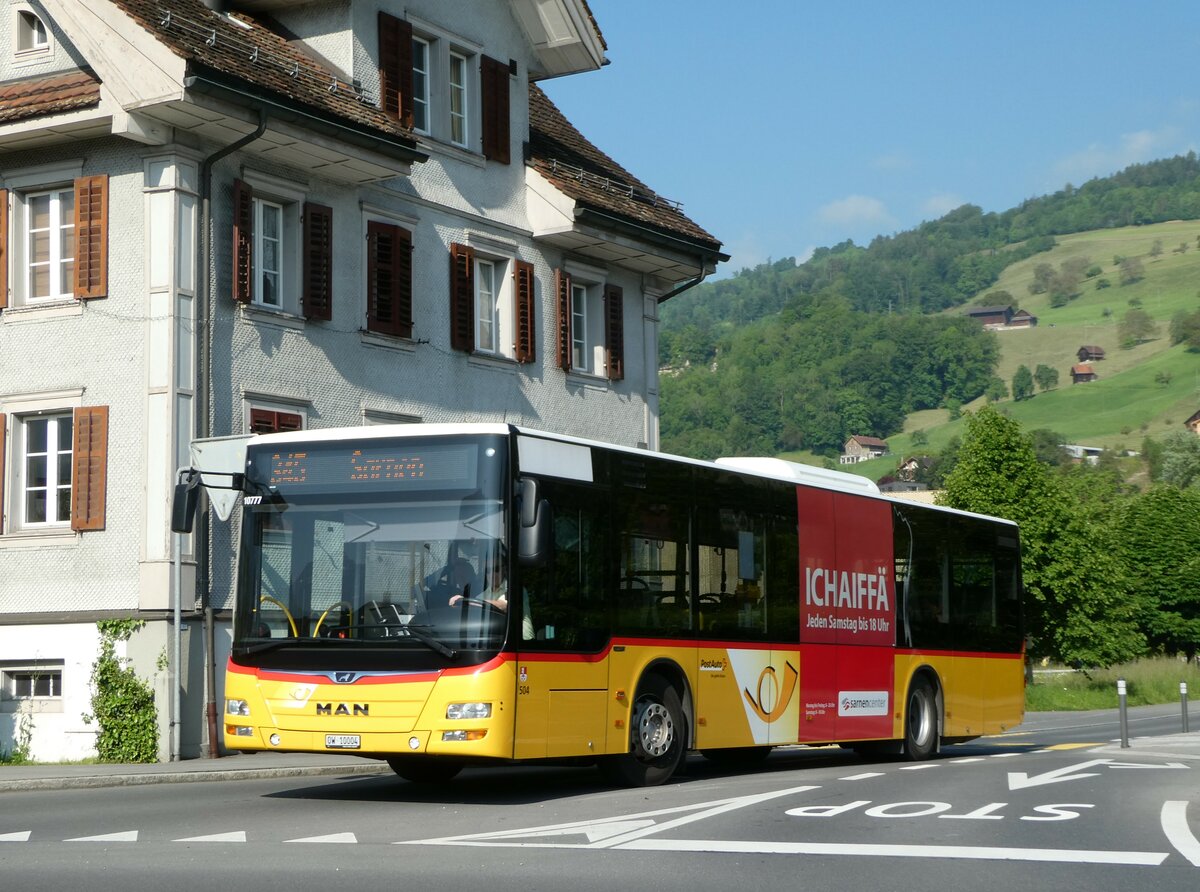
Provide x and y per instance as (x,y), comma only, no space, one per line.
(343,741)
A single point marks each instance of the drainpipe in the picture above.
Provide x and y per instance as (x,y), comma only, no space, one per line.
(205,317)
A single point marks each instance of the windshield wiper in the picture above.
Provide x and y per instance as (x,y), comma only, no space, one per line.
(418,631)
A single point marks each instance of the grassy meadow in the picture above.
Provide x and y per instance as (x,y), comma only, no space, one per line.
(1146,682)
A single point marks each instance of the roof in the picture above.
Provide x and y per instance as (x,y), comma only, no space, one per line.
(239,47)
(594,180)
(1091,348)
(1023,313)
(1082,368)
(48,95)
(870,441)
(989,311)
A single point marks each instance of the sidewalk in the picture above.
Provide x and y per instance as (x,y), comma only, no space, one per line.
(243,766)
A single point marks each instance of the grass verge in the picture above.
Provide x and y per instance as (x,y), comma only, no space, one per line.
(1146,682)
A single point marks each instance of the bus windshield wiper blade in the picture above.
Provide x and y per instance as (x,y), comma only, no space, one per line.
(418,632)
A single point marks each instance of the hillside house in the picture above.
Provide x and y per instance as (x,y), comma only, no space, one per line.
(1193,423)
(1090,353)
(226,216)
(912,467)
(991,317)
(1082,372)
(1022,319)
(859,449)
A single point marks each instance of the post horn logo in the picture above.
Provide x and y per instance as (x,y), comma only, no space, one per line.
(770,689)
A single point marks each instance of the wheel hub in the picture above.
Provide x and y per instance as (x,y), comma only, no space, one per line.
(656,730)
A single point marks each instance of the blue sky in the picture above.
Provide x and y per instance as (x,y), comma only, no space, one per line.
(787,125)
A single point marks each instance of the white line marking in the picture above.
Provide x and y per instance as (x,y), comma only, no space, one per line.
(1005,755)
(965,760)
(863,776)
(332,837)
(1175,825)
(916,767)
(234,836)
(22,836)
(985,853)
(124,836)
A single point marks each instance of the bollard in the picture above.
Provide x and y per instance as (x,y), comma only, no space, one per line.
(1183,704)
(1124,713)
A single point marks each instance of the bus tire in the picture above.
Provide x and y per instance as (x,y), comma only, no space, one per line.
(920,721)
(658,738)
(425,769)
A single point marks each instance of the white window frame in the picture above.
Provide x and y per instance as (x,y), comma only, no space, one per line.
(250,402)
(60,281)
(458,94)
(289,197)
(31,36)
(52,455)
(443,90)
(487,306)
(12,676)
(421,77)
(588,348)
(264,209)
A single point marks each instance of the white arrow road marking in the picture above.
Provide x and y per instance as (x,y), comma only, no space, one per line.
(22,836)
(1145,765)
(606,833)
(1175,825)
(1019,780)
(985,853)
(234,836)
(125,836)
(332,837)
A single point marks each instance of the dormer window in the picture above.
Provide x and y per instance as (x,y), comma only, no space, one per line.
(31,33)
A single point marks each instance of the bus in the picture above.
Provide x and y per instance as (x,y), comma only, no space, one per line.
(442,595)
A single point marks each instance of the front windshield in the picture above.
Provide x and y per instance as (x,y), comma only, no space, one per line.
(375,568)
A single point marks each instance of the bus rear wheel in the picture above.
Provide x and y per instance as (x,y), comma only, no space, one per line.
(658,738)
(920,721)
(425,769)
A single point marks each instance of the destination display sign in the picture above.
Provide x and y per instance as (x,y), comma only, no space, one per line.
(387,466)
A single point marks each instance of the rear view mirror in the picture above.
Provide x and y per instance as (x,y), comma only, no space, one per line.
(535,536)
(184,501)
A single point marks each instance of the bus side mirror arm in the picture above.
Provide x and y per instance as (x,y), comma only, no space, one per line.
(534,537)
(184,501)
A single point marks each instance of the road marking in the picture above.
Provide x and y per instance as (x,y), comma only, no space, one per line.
(917,767)
(1004,755)
(863,776)
(22,836)
(1058,747)
(234,836)
(964,760)
(125,836)
(984,853)
(611,832)
(332,837)
(1019,780)
(1175,825)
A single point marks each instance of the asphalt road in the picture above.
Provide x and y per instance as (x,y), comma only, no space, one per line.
(1055,805)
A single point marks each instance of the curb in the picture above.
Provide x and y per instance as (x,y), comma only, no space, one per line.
(185,777)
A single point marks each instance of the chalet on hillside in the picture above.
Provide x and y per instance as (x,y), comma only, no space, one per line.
(1082,372)
(991,317)
(1022,319)
(1090,353)
(859,449)
(910,467)
(1193,423)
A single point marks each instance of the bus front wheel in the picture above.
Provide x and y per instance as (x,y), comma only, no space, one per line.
(658,738)
(920,721)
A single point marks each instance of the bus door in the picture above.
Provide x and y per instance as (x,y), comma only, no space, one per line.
(562,634)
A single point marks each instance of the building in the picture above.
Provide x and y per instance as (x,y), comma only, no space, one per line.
(226,217)
(991,317)
(1090,353)
(1023,319)
(1193,423)
(859,449)
(1082,372)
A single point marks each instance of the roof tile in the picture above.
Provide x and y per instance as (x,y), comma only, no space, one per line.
(48,95)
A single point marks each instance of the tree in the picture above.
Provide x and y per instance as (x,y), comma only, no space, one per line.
(996,390)
(1135,327)
(1160,542)
(1131,270)
(1076,599)
(1180,460)
(1045,376)
(1022,383)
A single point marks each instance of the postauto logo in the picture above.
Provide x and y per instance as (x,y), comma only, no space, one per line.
(852,703)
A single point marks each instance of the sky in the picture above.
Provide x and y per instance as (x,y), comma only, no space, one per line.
(787,125)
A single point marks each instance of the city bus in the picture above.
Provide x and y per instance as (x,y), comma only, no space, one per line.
(440,595)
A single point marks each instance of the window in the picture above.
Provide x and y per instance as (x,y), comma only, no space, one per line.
(389,279)
(442,87)
(491,312)
(282,250)
(56,469)
(57,240)
(591,336)
(33,682)
(274,421)
(31,33)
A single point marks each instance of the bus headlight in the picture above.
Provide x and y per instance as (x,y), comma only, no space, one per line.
(237,707)
(469,711)
(462,736)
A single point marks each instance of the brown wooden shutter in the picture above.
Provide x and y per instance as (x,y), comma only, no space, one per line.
(91,237)
(243,242)
(494,89)
(3,258)
(562,291)
(318,261)
(462,297)
(90,466)
(389,279)
(395,68)
(523,288)
(269,421)
(3,469)
(614,331)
